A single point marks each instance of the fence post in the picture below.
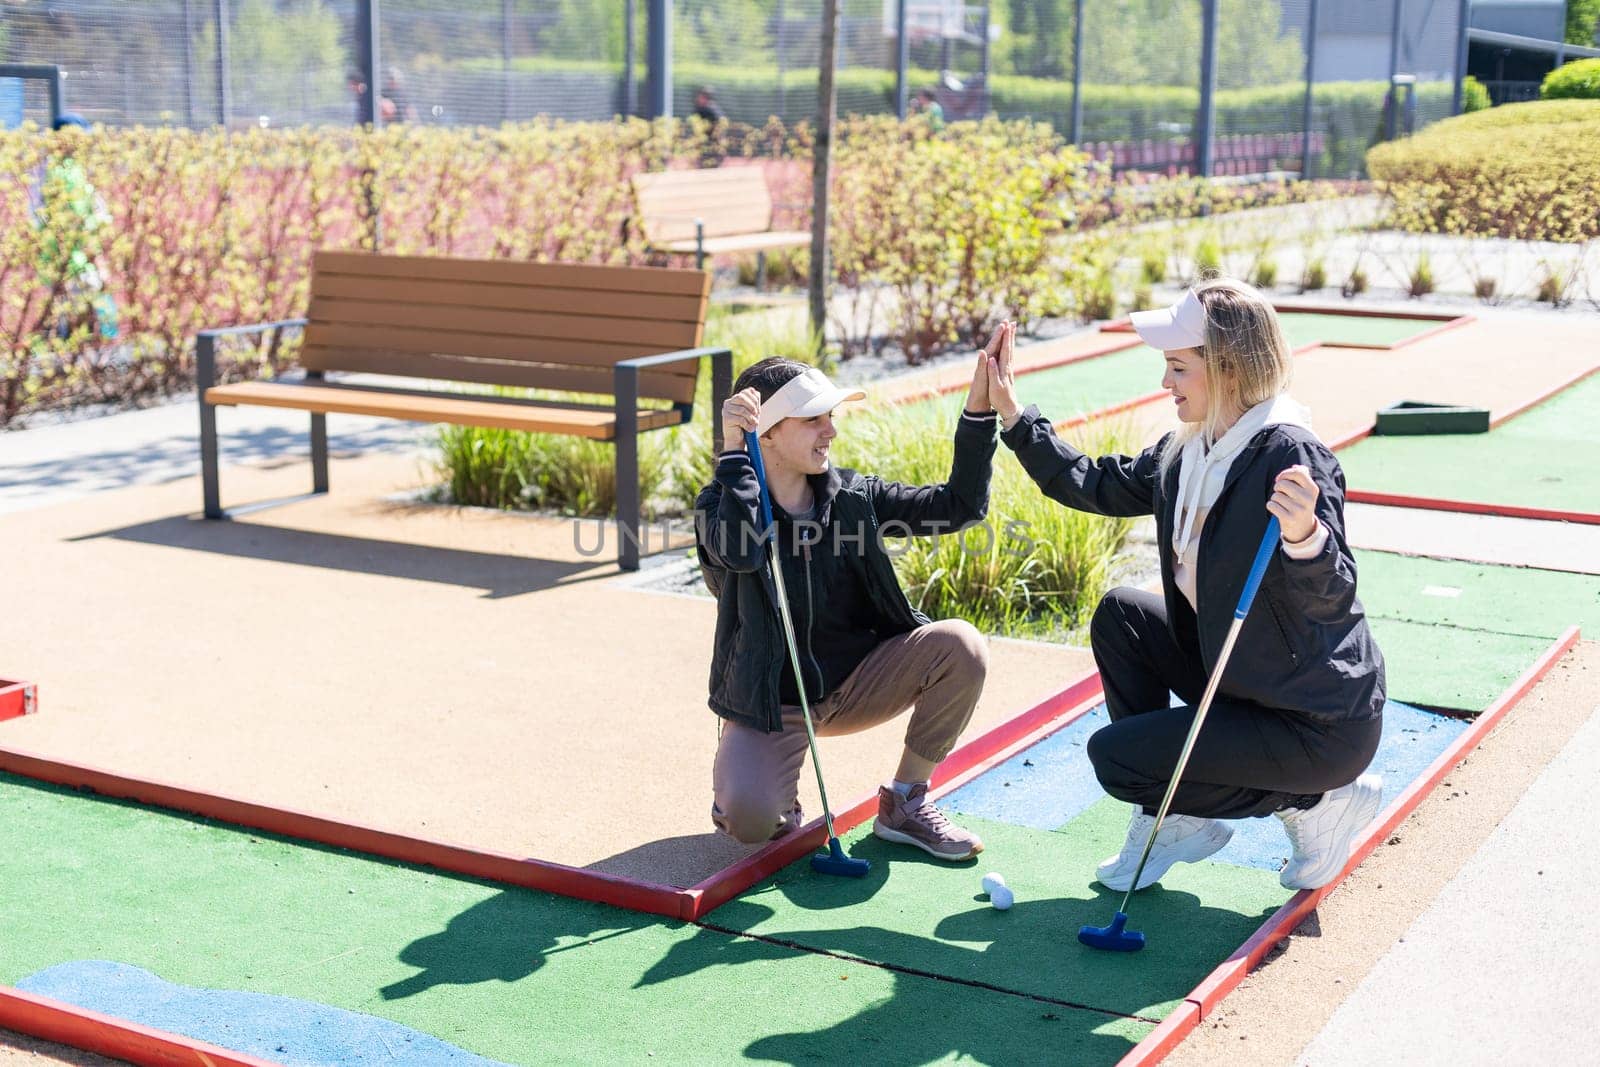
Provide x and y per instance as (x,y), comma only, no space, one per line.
(1077,71)
(367,16)
(630,88)
(224,91)
(821,164)
(1206,119)
(188,63)
(902,61)
(778,22)
(1311,83)
(658,57)
(505,60)
(1394,68)
(984,69)
(1464,15)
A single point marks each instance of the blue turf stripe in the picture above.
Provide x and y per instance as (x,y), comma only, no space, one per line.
(297,1033)
(1048,785)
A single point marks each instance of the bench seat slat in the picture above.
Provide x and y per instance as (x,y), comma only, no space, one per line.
(460,411)
(748,242)
(334,336)
(540,328)
(727,200)
(672,381)
(650,307)
(619,280)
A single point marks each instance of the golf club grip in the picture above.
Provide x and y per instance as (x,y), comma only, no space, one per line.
(1269,541)
(752,445)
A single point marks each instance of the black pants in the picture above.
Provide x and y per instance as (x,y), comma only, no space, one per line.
(1249,760)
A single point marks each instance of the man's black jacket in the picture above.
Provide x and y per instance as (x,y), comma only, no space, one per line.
(1305,646)
(855,513)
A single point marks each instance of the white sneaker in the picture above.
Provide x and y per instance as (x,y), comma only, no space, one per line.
(1322,835)
(1183,839)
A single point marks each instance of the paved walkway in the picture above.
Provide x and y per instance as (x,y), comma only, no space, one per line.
(59,461)
(1517,922)
(1555,546)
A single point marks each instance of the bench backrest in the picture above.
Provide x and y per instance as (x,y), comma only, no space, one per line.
(541,325)
(729,200)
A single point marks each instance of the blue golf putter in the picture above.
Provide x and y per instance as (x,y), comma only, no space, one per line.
(1115,938)
(833,861)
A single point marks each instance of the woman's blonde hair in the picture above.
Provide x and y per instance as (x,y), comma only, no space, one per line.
(1246,357)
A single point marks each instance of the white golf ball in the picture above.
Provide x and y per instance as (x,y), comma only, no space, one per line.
(1001,897)
(992,879)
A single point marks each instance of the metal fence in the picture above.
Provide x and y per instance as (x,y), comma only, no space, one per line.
(1217,86)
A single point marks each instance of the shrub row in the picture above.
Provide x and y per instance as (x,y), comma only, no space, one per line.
(1578,80)
(117,246)
(1527,171)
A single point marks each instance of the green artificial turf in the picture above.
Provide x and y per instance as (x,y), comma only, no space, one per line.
(916,912)
(1455,635)
(1477,596)
(1306,328)
(1543,458)
(1446,667)
(510,974)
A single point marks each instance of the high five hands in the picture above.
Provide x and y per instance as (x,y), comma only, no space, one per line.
(993,383)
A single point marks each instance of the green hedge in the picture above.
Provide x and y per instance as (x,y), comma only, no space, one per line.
(1578,80)
(1351,114)
(1527,171)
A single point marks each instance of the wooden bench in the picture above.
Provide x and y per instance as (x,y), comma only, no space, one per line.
(707,212)
(631,334)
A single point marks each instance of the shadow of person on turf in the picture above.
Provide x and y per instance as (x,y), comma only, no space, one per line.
(1107,999)
(507,937)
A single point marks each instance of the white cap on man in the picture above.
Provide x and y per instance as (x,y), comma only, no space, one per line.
(1183,325)
(802,397)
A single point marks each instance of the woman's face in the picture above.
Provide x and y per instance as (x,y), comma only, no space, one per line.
(801,445)
(1185,379)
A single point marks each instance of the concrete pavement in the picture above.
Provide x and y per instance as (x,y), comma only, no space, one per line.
(1496,970)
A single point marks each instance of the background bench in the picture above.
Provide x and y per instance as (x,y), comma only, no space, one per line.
(709,212)
(629,334)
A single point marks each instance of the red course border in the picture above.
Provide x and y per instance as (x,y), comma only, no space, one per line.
(1222,981)
(633,894)
(17,699)
(68,1024)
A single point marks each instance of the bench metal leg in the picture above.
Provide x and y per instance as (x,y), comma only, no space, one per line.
(319,452)
(699,244)
(205,354)
(319,442)
(761,272)
(627,468)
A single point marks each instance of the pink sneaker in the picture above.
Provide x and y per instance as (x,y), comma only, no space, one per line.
(913,820)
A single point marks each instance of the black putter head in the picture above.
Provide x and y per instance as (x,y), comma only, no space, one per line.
(834,861)
(1112,938)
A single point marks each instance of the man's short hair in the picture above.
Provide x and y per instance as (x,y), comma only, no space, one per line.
(769,375)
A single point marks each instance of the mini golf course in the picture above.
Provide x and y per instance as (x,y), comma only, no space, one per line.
(1543,460)
(301,954)
(304,954)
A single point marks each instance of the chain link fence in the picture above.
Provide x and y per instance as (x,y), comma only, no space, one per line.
(1127,83)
